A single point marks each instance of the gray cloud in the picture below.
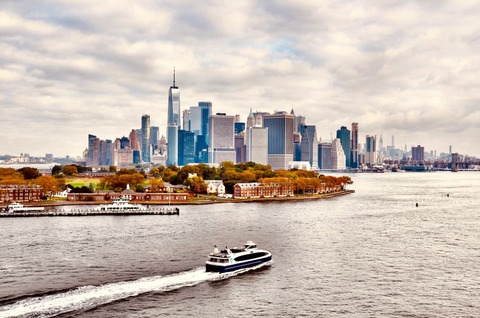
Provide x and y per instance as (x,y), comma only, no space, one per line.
(71,68)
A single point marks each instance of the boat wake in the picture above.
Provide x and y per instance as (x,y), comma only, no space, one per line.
(88,297)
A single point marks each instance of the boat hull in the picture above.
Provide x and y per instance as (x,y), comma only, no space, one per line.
(236,266)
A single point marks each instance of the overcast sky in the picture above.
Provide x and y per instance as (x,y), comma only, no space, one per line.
(404,68)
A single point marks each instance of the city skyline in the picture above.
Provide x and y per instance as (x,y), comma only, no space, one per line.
(70,69)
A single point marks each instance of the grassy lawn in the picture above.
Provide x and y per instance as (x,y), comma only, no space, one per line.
(80,182)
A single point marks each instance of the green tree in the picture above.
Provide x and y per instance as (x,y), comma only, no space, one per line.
(70,170)
(56,170)
(29,173)
(196,185)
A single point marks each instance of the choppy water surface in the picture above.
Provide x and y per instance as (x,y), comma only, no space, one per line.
(370,254)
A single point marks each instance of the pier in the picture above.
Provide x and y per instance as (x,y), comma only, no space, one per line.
(91,212)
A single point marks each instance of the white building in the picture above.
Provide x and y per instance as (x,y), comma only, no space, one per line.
(338,155)
(215,187)
(257,145)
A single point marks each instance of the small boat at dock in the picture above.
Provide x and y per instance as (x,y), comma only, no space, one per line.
(228,260)
(18,207)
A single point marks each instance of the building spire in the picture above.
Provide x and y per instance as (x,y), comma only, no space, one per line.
(174,76)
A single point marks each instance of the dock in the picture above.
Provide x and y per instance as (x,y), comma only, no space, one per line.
(91,212)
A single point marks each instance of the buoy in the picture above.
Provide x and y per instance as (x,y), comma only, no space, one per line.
(416,204)
(448,195)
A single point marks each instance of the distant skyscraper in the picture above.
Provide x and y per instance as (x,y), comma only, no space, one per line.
(195,122)
(134,144)
(172,150)
(186,119)
(371,150)
(344,135)
(154,136)
(309,147)
(174,104)
(280,139)
(221,144)
(325,155)
(257,145)
(354,146)
(250,119)
(186,147)
(173,123)
(93,153)
(418,153)
(146,138)
(206,113)
(338,156)
(240,147)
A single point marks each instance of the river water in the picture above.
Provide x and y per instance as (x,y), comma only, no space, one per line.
(369,254)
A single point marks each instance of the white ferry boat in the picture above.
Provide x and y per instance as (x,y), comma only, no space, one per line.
(121,204)
(228,260)
(18,207)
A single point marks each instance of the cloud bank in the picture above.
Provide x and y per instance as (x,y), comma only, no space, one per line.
(403,68)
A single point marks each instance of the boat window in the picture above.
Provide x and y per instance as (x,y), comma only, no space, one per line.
(250,256)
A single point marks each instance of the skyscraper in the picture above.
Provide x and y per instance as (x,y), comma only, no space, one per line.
(344,135)
(309,147)
(354,146)
(371,150)
(257,145)
(146,138)
(280,139)
(221,144)
(173,123)
(172,148)
(418,153)
(174,103)
(186,147)
(206,108)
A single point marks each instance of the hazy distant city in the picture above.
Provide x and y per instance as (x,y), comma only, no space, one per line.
(281,139)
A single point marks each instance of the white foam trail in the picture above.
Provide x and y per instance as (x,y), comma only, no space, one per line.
(92,296)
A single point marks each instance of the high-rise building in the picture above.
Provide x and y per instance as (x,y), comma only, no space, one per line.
(174,104)
(221,144)
(371,150)
(146,138)
(309,147)
(186,119)
(344,135)
(93,153)
(154,136)
(173,122)
(172,148)
(240,148)
(257,145)
(134,144)
(250,119)
(280,139)
(325,155)
(354,146)
(186,147)
(206,108)
(195,122)
(418,153)
(338,156)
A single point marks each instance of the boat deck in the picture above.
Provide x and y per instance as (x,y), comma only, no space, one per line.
(91,212)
